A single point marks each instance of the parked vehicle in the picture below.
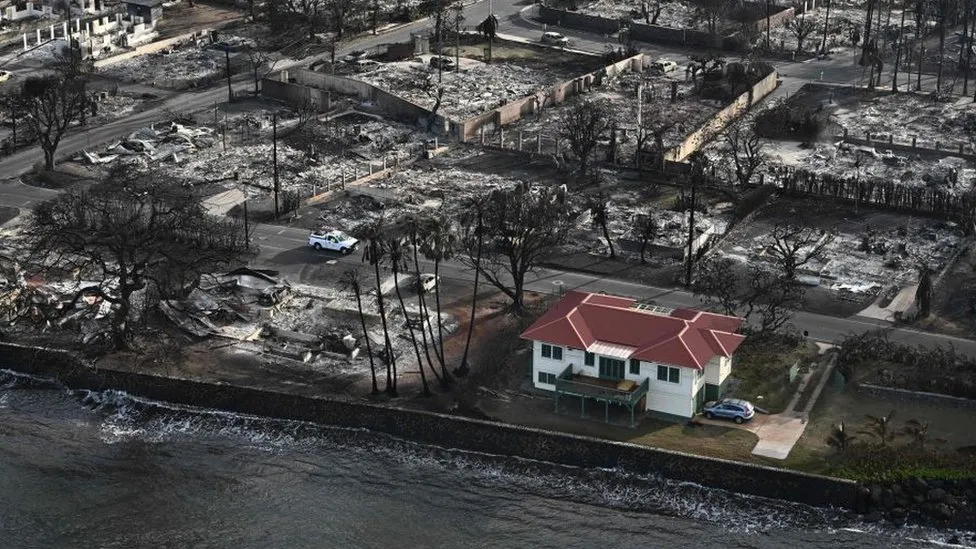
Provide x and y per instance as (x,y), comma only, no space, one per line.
(4,76)
(365,65)
(334,240)
(555,39)
(441,62)
(735,409)
(355,55)
(426,283)
(663,66)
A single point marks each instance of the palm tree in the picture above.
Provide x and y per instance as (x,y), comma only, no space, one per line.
(478,210)
(439,245)
(375,254)
(398,262)
(881,427)
(839,438)
(414,226)
(353,280)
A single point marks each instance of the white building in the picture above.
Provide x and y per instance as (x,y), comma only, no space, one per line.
(615,350)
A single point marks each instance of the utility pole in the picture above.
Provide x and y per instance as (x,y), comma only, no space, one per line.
(691,230)
(921,56)
(457,37)
(768,2)
(901,31)
(247,226)
(823,45)
(274,148)
(230,91)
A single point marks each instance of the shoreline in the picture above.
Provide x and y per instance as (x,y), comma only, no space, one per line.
(454,431)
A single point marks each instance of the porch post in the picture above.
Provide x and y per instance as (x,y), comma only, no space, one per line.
(582,406)
(557,401)
(632,416)
(606,405)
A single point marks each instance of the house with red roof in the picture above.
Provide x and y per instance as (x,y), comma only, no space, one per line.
(616,350)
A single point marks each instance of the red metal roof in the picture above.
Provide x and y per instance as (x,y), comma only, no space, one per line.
(685,337)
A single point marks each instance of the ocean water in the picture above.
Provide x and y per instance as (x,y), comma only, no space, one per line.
(107,470)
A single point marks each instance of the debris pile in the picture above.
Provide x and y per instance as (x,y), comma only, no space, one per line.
(477,88)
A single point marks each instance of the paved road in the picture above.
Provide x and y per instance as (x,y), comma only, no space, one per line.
(284,248)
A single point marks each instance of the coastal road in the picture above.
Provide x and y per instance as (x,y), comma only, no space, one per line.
(285,249)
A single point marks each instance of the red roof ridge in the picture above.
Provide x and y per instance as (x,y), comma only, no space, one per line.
(700,335)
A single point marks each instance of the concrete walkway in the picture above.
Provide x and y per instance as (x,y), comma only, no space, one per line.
(900,304)
(778,433)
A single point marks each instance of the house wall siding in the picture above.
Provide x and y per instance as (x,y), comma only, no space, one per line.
(676,399)
(671,398)
(548,365)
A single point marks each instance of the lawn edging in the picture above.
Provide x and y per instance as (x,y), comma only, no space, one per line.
(443,430)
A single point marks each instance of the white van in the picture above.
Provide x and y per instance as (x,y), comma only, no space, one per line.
(663,66)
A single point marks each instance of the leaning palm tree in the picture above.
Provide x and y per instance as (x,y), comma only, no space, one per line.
(472,220)
(439,245)
(397,254)
(414,226)
(374,253)
(353,280)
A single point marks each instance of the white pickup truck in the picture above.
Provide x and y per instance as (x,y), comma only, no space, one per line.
(334,240)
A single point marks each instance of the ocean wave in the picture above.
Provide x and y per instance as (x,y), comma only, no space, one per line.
(128,417)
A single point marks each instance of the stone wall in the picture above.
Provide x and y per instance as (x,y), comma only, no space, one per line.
(579,21)
(916,396)
(693,141)
(393,106)
(516,110)
(444,430)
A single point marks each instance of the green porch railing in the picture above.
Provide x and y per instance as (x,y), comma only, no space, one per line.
(565,384)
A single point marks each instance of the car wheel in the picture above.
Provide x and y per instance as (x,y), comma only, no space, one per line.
(739,420)
(709,415)
(344,251)
(317,246)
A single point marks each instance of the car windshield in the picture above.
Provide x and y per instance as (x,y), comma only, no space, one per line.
(341,236)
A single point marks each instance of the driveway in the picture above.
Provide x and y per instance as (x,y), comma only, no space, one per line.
(777,432)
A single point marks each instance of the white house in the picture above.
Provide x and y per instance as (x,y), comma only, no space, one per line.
(615,350)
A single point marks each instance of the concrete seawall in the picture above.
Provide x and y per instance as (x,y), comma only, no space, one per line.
(443,430)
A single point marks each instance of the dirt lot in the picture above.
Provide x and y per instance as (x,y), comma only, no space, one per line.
(813,454)
(898,116)
(896,245)
(954,302)
(515,72)
(682,116)
(183,18)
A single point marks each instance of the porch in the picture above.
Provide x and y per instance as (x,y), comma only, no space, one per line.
(620,392)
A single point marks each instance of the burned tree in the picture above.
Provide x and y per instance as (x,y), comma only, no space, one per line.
(599,210)
(586,124)
(131,232)
(519,227)
(262,64)
(744,152)
(645,228)
(801,29)
(791,247)
(651,10)
(51,105)
(754,293)
(712,12)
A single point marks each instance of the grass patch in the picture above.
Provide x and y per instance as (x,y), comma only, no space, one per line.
(876,463)
(761,368)
(705,440)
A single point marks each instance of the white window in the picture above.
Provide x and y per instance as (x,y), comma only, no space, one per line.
(552,351)
(669,374)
